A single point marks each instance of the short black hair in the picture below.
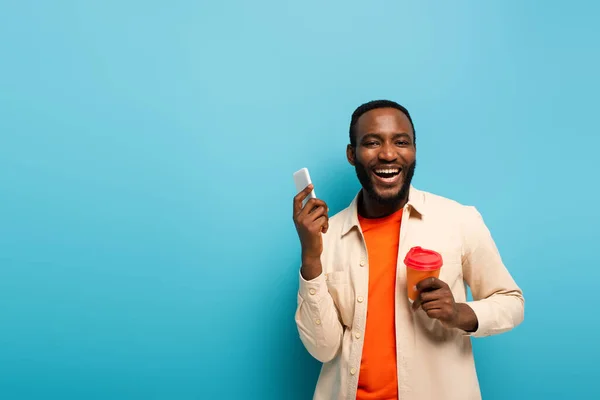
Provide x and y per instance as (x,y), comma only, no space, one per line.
(372,105)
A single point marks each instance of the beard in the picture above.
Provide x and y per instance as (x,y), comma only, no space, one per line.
(365,180)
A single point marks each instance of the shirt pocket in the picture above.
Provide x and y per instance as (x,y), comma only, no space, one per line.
(338,285)
(451,271)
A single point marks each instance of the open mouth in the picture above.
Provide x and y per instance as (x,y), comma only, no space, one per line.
(388,175)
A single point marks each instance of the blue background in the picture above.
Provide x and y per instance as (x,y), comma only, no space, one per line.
(147,249)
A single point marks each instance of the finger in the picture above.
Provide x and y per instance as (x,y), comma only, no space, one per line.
(429,284)
(432,295)
(436,313)
(319,223)
(427,296)
(312,205)
(416,304)
(326,226)
(299,198)
(432,305)
(317,213)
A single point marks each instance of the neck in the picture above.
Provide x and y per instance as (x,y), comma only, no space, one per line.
(370,207)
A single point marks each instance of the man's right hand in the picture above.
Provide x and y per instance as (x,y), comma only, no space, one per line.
(311,221)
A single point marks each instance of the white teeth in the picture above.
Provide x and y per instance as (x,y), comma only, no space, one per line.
(387,171)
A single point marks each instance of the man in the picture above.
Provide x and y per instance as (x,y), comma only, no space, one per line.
(353,312)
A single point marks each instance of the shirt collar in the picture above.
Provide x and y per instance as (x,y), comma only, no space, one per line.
(416,201)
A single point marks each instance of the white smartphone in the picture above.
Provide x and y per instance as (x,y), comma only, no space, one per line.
(302,180)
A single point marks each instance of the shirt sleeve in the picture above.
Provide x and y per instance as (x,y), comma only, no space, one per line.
(497,302)
(318,320)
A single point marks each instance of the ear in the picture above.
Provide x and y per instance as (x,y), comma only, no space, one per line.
(351,154)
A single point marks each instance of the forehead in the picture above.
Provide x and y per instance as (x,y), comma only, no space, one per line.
(383,121)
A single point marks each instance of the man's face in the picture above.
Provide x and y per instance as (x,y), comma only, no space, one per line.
(385,154)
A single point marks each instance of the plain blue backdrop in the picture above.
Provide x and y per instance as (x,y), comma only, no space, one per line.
(147,249)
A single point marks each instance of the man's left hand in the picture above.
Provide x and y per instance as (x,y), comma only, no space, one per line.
(437,300)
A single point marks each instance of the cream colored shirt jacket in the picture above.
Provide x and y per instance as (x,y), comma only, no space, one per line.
(434,362)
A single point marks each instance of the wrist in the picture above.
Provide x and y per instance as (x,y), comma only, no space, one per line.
(311,267)
(311,259)
(466,318)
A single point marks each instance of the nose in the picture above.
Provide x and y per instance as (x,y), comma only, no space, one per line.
(387,153)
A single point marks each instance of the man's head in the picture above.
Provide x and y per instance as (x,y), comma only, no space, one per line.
(382,149)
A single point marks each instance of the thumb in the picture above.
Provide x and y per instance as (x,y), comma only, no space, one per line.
(417,303)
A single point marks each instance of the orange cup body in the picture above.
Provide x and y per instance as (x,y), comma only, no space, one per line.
(420,264)
(414,276)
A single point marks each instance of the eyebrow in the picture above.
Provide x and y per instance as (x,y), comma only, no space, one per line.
(379,136)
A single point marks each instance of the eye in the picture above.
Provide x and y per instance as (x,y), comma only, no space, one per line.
(370,143)
(403,142)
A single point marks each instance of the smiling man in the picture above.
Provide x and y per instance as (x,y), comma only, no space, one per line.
(353,312)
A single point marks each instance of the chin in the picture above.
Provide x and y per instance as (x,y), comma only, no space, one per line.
(388,195)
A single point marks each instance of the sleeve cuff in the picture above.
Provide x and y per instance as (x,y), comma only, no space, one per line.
(314,289)
(482,312)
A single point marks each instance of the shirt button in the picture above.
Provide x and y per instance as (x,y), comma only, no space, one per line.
(353,371)
(318,321)
(362,263)
(360,299)
(312,291)
(357,335)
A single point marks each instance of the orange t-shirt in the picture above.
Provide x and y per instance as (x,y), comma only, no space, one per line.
(377,378)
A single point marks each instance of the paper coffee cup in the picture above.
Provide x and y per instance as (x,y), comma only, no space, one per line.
(420,264)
